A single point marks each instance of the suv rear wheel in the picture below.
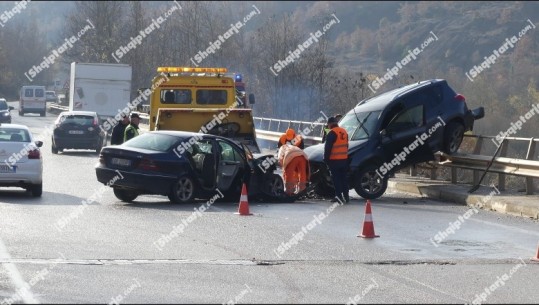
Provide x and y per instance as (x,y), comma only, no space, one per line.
(368,184)
(453,135)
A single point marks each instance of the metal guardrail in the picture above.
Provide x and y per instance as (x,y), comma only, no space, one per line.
(271,129)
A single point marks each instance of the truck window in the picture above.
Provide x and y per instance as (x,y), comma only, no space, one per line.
(29,93)
(176,96)
(212,97)
(40,93)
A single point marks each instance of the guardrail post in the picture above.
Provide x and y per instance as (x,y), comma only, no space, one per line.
(433,172)
(501,177)
(530,155)
(413,171)
(477,151)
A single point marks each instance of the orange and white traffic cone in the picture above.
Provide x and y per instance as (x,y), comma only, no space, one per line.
(243,209)
(536,258)
(368,225)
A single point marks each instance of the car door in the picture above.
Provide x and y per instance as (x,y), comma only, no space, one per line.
(432,98)
(229,165)
(403,139)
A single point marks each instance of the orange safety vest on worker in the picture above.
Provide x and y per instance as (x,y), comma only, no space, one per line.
(295,164)
(339,151)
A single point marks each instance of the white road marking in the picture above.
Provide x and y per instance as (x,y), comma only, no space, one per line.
(22,287)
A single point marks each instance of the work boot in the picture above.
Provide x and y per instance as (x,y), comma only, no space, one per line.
(337,199)
(346,198)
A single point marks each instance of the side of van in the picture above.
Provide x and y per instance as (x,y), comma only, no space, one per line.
(32,100)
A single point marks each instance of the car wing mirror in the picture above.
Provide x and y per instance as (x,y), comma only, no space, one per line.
(39,143)
(11,108)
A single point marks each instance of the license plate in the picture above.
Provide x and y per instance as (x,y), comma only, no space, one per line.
(4,168)
(121,162)
(76,132)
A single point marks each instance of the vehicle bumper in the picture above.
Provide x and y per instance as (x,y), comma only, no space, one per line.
(25,174)
(33,110)
(5,119)
(143,183)
(77,143)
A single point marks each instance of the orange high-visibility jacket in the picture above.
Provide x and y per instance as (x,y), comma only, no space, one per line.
(339,151)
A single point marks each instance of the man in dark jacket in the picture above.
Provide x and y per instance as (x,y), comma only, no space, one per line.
(117,136)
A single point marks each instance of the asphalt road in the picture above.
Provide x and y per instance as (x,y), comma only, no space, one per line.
(66,251)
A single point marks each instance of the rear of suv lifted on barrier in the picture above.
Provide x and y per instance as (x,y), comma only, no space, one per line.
(396,129)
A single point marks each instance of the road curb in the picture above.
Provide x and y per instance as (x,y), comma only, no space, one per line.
(524,206)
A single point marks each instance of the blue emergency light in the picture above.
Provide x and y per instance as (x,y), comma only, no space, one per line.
(238,77)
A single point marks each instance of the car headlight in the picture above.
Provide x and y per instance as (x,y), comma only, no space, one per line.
(5,114)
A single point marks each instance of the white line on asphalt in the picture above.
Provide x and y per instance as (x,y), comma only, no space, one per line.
(16,277)
(505,227)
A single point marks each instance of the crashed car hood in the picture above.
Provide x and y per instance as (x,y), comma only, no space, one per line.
(316,152)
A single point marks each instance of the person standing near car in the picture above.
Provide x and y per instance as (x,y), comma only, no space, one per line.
(118,132)
(336,158)
(131,130)
(327,129)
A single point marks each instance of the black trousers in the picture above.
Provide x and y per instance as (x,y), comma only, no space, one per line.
(338,170)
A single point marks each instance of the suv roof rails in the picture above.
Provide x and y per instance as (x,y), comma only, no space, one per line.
(418,85)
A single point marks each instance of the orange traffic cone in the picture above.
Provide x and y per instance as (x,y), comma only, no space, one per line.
(243,209)
(368,225)
(536,258)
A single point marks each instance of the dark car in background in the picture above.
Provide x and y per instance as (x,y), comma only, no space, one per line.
(50,96)
(185,166)
(78,130)
(5,111)
(399,128)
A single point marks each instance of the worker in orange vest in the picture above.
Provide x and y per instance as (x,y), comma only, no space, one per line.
(295,164)
(290,137)
(336,158)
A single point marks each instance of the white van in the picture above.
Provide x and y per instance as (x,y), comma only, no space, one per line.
(32,100)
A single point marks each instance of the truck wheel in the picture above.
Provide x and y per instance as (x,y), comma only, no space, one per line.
(125,195)
(183,190)
(368,184)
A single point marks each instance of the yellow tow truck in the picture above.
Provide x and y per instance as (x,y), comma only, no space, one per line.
(207,100)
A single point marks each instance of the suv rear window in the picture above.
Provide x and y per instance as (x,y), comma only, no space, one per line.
(82,120)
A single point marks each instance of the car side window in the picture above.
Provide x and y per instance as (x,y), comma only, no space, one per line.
(430,96)
(408,119)
(228,153)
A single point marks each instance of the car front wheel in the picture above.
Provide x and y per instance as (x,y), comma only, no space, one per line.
(183,190)
(125,195)
(453,135)
(368,184)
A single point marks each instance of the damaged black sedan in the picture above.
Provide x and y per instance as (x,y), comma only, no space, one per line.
(185,166)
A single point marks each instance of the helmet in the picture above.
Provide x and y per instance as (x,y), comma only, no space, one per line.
(290,134)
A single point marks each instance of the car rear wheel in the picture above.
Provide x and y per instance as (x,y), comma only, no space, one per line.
(36,190)
(453,135)
(183,190)
(125,195)
(54,149)
(368,184)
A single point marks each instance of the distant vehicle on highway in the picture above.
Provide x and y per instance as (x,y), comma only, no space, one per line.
(5,111)
(21,164)
(78,130)
(32,100)
(185,166)
(396,129)
(50,96)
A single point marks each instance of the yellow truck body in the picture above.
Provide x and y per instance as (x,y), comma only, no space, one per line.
(201,100)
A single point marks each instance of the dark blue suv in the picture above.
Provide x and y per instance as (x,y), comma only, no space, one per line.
(396,129)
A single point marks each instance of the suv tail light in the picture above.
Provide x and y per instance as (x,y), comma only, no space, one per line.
(460,98)
(101,159)
(147,164)
(34,154)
